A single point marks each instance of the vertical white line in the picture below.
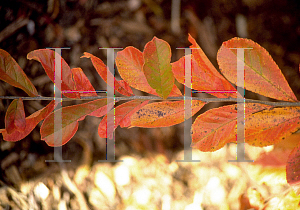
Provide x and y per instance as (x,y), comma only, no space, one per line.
(58,110)
(187,107)
(110,142)
(110,94)
(240,132)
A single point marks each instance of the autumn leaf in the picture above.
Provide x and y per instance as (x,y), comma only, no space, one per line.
(270,126)
(202,79)
(11,72)
(130,63)
(293,169)
(201,66)
(70,116)
(275,158)
(163,114)
(15,116)
(122,116)
(262,75)
(47,58)
(217,127)
(31,123)
(82,83)
(120,86)
(157,67)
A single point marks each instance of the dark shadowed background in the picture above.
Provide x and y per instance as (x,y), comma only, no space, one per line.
(86,25)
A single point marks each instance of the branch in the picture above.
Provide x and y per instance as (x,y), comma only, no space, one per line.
(207,100)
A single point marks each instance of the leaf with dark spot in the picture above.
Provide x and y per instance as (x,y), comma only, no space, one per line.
(207,133)
(163,114)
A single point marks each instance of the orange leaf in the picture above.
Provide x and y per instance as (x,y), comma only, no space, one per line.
(130,63)
(163,114)
(122,116)
(70,116)
(293,169)
(15,116)
(275,158)
(201,79)
(82,83)
(217,127)
(157,67)
(47,58)
(121,87)
(278,157)
(262,75)
(11,72)
(31,123)
(202,66)
(271,126)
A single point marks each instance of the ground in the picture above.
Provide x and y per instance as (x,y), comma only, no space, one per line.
(149,177)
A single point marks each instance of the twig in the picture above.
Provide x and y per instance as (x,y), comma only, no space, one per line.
(12,28)
(207,100)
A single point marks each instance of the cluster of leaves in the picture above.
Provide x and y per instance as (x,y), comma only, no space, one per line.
(151,71)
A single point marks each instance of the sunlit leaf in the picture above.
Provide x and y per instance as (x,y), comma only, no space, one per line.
(122,116)
(217,127)
(270,126)
(11,72)
(202,79)
(121,87)
(275,158)
(262,75)
(47,58)
(157,67)
(82,83)
(163,114)
(203,66)
(130,63)
(293,169)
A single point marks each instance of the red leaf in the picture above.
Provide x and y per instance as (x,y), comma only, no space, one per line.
(70,116)
(201,79)
(103,110)
(163,114)
(217,127)
(262,75)
(293,169)
(122,117)
(47,58)
(31,123)
(279,155)
(121,87)
(204,67)
(130,63)
(15,116)
(275,158)
(11,72)
(83,85)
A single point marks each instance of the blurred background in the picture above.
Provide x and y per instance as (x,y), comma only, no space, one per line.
(150,178)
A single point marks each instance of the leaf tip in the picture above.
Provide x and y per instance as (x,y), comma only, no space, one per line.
(86,55)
